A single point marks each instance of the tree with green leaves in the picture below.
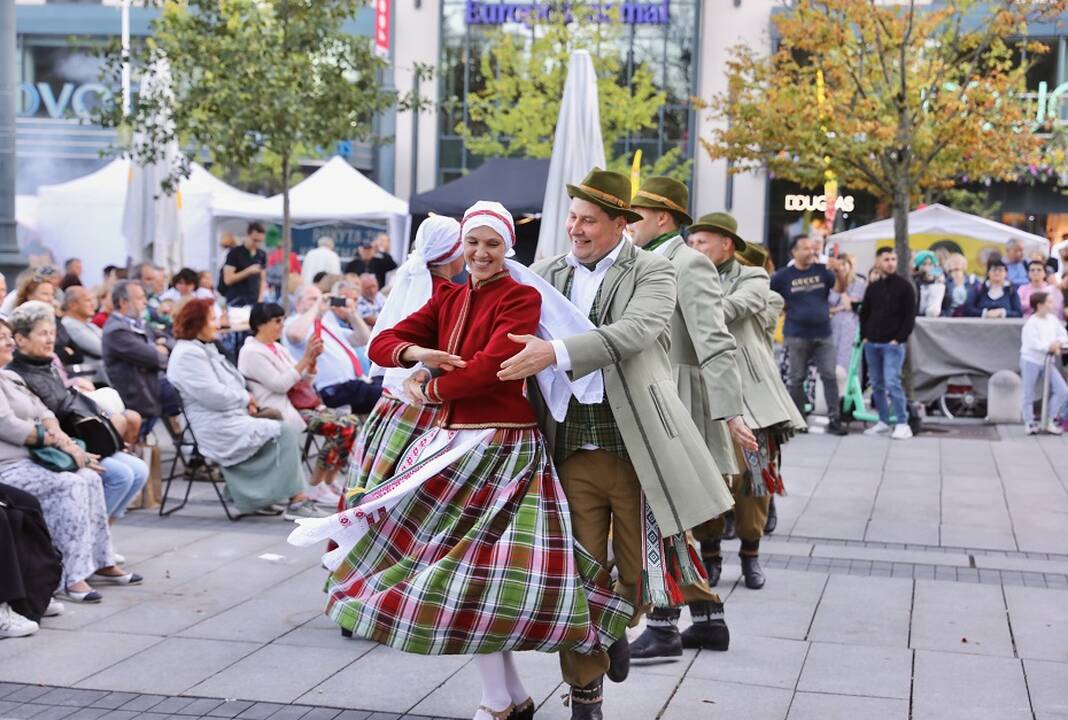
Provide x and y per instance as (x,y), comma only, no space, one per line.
(253,83)
(514,114)
(894,99)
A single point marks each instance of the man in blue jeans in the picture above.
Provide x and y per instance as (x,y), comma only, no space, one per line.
(887,316)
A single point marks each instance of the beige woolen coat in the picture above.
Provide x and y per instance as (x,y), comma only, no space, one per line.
(680,479)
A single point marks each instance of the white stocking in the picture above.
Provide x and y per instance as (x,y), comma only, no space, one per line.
(516,691)
(494,684)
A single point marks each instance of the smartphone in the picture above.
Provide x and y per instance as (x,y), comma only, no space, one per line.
(318,329)
(338,302)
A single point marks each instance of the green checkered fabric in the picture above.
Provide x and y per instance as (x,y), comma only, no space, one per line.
(588,424)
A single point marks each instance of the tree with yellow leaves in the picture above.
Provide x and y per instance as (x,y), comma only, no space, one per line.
(893,99)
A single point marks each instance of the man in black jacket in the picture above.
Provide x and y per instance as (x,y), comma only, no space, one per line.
(887,316)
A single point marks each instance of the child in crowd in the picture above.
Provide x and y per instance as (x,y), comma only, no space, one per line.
(1043,335)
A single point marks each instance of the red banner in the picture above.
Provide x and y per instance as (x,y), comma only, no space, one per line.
(382,8)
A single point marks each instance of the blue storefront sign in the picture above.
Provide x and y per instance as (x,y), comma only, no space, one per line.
(478,12)
(78,100)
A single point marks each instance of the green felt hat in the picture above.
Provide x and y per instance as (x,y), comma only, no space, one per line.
(753,254)
(721,223)
(664,193)
(607,189)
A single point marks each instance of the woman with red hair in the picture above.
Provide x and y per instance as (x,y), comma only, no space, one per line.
(259,456)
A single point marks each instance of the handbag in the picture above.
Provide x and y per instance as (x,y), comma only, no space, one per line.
(85,422)
(303,396)
(52,458)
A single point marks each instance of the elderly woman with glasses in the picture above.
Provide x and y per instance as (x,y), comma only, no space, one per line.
(73,502)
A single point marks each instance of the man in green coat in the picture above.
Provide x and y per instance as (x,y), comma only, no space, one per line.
(703,355)
(636,462)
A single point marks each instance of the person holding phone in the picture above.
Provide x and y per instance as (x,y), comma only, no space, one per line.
(244,272)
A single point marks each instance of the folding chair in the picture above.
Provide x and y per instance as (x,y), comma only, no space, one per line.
(194,467)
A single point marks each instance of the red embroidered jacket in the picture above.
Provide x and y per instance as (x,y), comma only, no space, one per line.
(472,321)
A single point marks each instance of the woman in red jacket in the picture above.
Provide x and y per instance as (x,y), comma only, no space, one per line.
(466,548)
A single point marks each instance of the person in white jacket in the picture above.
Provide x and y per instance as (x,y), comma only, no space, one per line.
(1043,335)
(322,259)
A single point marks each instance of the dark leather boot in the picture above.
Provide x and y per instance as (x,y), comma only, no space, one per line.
(619,660)
(754,576)
(657,641)
(773,518)
(586,701)
(729,532)
(714,568)
(523,711)
(709,630)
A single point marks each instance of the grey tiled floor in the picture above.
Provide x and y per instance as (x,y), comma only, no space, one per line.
(917,580)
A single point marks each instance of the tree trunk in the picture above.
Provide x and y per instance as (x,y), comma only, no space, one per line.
(900,204)
(287,241)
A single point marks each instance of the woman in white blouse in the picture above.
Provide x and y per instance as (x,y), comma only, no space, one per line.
(271,374)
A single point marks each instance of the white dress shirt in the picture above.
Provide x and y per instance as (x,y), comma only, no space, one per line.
(584,287)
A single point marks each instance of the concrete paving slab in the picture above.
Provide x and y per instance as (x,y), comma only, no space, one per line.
(747,662)
(57,657)
(708,700)
(818,706)
(960,618)
(979,536)
(1048,685)
(782,609)
(274,673)
(864,611)
(954,686)
(1039,622)
(187,662)
(918,557)
(857,670)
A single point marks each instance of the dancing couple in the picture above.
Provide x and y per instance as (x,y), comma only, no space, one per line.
(480,505)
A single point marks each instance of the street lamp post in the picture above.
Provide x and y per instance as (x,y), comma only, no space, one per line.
(11,261)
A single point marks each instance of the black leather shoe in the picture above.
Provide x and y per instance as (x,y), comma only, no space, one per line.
(754,576)
(657,641)
(710,635)
(714,568)
(728,527)
(835,427)
(619,660)
(523,711)
(586,701)
(773,518)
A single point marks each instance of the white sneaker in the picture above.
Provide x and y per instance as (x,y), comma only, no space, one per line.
(1053,428)
(13,625)
(303,509)
(55,608)
(878,428)
(324,495)
(901,432)
(1032,428)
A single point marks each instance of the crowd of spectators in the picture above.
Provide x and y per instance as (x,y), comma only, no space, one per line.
(89,370)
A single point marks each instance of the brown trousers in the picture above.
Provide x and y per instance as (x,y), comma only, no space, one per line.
(605,498)
(750,515)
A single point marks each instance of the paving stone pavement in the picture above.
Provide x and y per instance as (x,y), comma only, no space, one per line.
(914,580)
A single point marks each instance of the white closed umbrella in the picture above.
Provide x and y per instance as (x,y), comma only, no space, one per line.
(577,149)
(151,217)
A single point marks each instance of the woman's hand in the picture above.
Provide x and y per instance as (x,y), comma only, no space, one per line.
(438,359)
(253,408)
(413,388)
(314,349)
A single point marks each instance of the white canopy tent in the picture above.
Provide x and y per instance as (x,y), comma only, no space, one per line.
(975,236)
(335,192)
(83,217)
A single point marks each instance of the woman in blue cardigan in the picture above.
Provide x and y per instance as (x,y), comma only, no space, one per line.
(995,298)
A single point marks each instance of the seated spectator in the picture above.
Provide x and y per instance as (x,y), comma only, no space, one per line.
(41,288)
(79,307)
(123,474)
(259,456)
(102,295)
(995,298)
(153,282)
(205,282)
(320,259)
(73,502)
(272,373)
(370,302)
(960,285)
(930,284)
(73,269)
(341,376)
(30,567)
(1036,282)
(1043,336)
(134,356)
(69,281)
(184,285)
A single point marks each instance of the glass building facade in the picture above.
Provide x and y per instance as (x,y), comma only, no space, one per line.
(669,50)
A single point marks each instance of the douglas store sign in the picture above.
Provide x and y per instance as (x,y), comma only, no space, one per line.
(478,12)
(41,100)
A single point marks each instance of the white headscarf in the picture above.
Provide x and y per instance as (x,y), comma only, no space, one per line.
(437,242)
(559,318)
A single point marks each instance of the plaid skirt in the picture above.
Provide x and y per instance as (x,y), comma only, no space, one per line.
(386,434)
(479,558)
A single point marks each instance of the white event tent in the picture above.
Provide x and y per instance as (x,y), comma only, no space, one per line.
(336,192)
(974,235)
(83,217)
